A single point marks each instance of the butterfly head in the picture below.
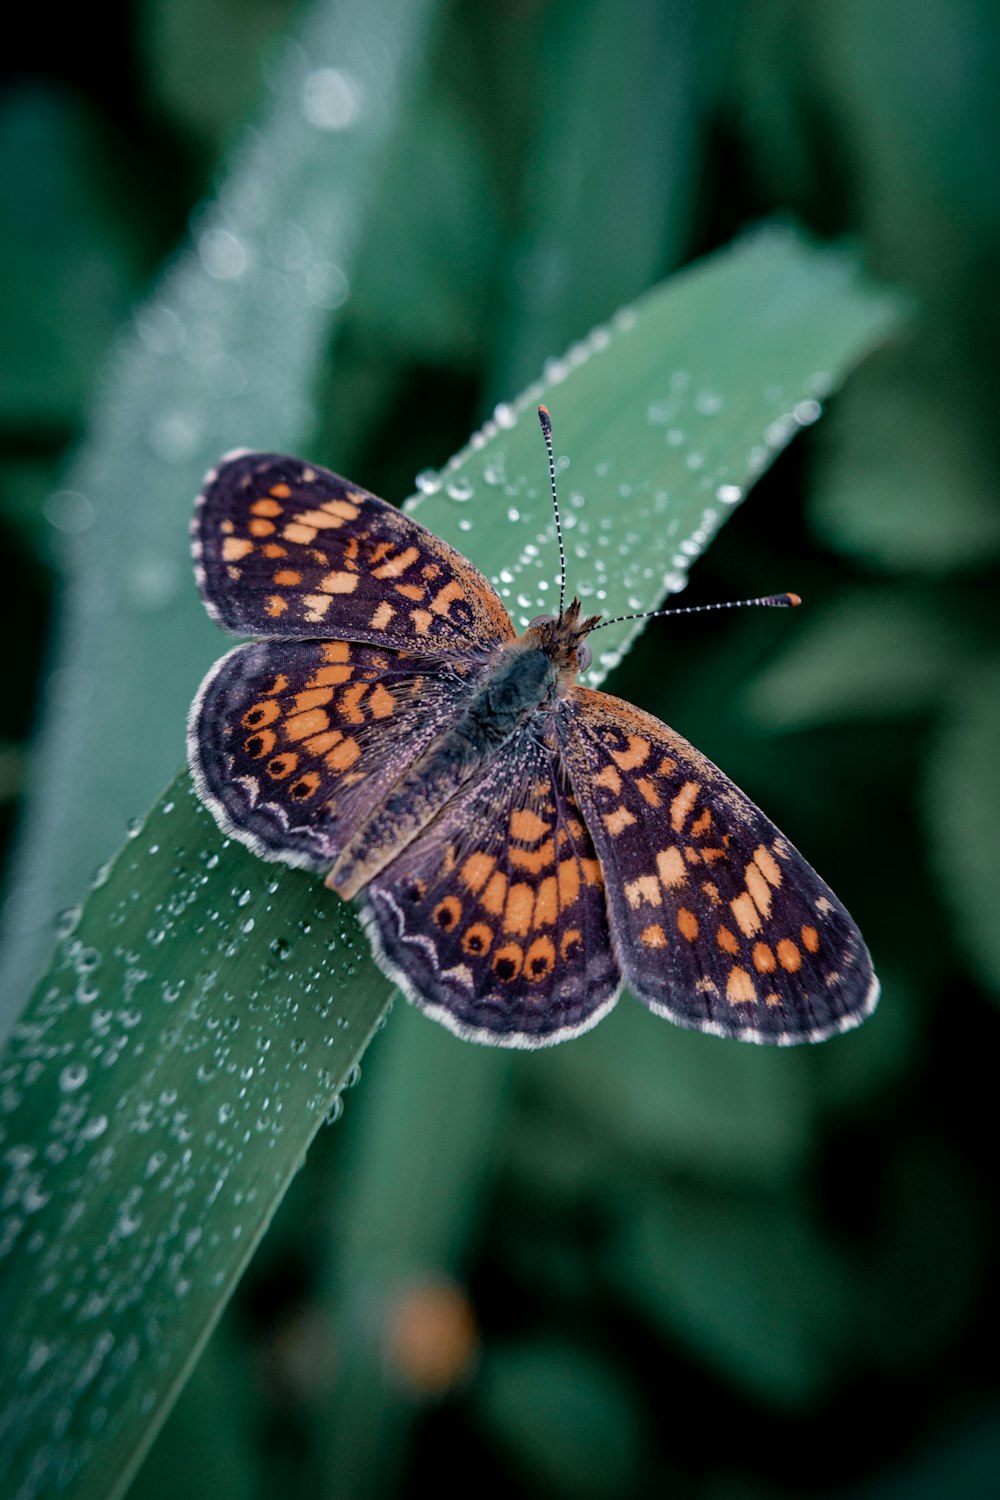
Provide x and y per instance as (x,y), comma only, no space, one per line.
(563,637)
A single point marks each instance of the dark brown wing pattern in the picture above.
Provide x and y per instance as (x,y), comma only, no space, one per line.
(285,548)
(717,921)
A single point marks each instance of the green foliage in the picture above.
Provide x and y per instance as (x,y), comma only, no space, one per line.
(693,1269)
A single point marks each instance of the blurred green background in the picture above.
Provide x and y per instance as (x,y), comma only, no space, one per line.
(639,1264)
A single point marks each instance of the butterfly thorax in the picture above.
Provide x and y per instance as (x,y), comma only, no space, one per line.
(524,680)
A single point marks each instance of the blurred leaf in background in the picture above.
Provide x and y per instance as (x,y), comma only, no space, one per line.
(690,1267)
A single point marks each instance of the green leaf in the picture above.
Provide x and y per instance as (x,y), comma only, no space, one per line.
(563,1415)
(962,814)
(189,1038)
(749,1285)
(224,353)
(871,654)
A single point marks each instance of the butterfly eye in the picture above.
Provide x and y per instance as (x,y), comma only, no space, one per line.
(541,620)
(584,656)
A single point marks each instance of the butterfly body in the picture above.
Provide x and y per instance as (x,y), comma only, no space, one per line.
(519,844)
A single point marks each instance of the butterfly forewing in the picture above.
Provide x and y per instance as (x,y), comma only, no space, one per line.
(293,743)
(717,921)
(494,920)
(286,548)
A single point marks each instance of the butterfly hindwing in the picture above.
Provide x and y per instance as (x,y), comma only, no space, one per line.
(494,919)
(717,921)
(293,743)
(286,548)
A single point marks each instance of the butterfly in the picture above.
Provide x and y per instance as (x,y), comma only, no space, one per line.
(520,844)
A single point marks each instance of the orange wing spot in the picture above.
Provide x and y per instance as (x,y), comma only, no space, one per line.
(691,855)
(746,914)
(476,871)
(325,519)
(670,868)
(234,573)
(445,598)
(316,607)
(287,578)
(740,988)
(267,507)
(570,944)
(568,877)
(687,924)
(789,956)
(341,508)
(447,913)
(727,941)
(411,591)
(711,855)
(534,860)
(768,865)
(422,619)
(701,825)
(260,744)
(301,726)
(591,870)
(343,756)
(382,615)
(330,676)
(634,756)
(610,778)
(282,766)
(759,890)
(312,698)
(226,527)
(260,527)
(653,936)
(772,999)
(350,703)
(495,894)
(335,651)
(277,686)
(615,822)
(235,547)
(338,583)
(648,792)
(260,714)
(645,889)
(299,534)
(517,912)
(507,962)
(527,826)
(272,550)
(381,702)
(810,939)
(540,960)
(764,960)
(683,803)
(276,606)
(477,939)
(575,829)
(322,744)
(667,767)
(431,571)
(281,490)
(547,903)
(712,892)
(398,564)
(705,986)
(305,787)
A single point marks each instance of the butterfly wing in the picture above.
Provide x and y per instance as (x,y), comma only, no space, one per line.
(717,921)
(494,921)
(293,743)
(285,548)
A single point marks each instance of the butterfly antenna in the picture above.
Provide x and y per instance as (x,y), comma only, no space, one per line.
(769,601)
(546,424)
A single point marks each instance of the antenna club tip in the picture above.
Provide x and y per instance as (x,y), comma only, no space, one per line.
(545,419)
(792,599)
